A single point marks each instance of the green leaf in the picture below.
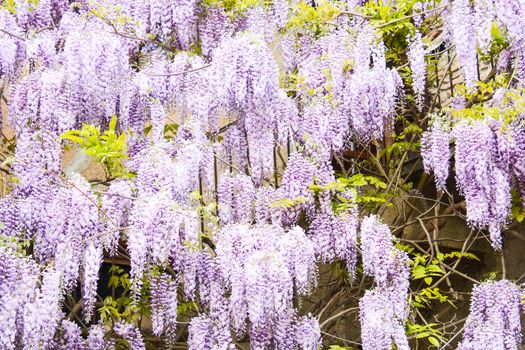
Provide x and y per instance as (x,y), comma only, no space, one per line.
(434,341)
(428,280)
(113,123)
(419,271)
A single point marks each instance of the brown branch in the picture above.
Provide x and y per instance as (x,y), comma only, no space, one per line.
(12,34)
(179,73)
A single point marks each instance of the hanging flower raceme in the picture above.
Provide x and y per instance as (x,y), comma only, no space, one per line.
(71,218)
(11,48)
(131,334)
(40,102)
(18,281)
(463,35)
(323,125)
(380,324)
(36,164)
(335,237)
(246,82)
(163,294)
(435,150)
(215,27)
(91,266)
(494,319)
(371,92)
(94,82)
(485,15)
(235,196)
(116,206)
(297,178)
(245,72)
(260,265)
(416,56)
(383,310)
(159,228)
(482,176)
(42,315)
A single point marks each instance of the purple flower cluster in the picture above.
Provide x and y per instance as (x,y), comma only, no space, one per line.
(235,196)
(163,295)
(383,310)
(215,27)
(297,178)
(220,81)
(131,334)
(483,174)
(10,47)
(261,267)
(435,150)
(91,265)
(380,324)
(372,92)
(494,319)
(416,56)
(335,237)
(463,34)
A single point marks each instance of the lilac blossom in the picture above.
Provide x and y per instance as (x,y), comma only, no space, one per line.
(463,35)
(435,150)
(92,262)
(494,319)
(297,178)
(235,195)
(380,324)
(416,56)
(131,334)
(484,183)
(163,294)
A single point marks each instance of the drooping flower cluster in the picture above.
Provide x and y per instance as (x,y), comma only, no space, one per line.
(235,195)
(10,47)
(297,178)
(18,280)
(246,79)
(380,325)
(91,265)
(322,125)
(470,27)
(215,27)
(261,267)
(163,293)
(131,334)
(416,56)
(463,32)
(372,92)
(482,174)
(335,236)
(383,310)
(70,337)
(435,150)
(116,206)
(494,319)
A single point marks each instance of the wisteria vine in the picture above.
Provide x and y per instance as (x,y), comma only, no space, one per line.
(248,149)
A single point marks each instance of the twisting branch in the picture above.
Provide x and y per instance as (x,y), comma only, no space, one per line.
(12,34)
(179,73)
